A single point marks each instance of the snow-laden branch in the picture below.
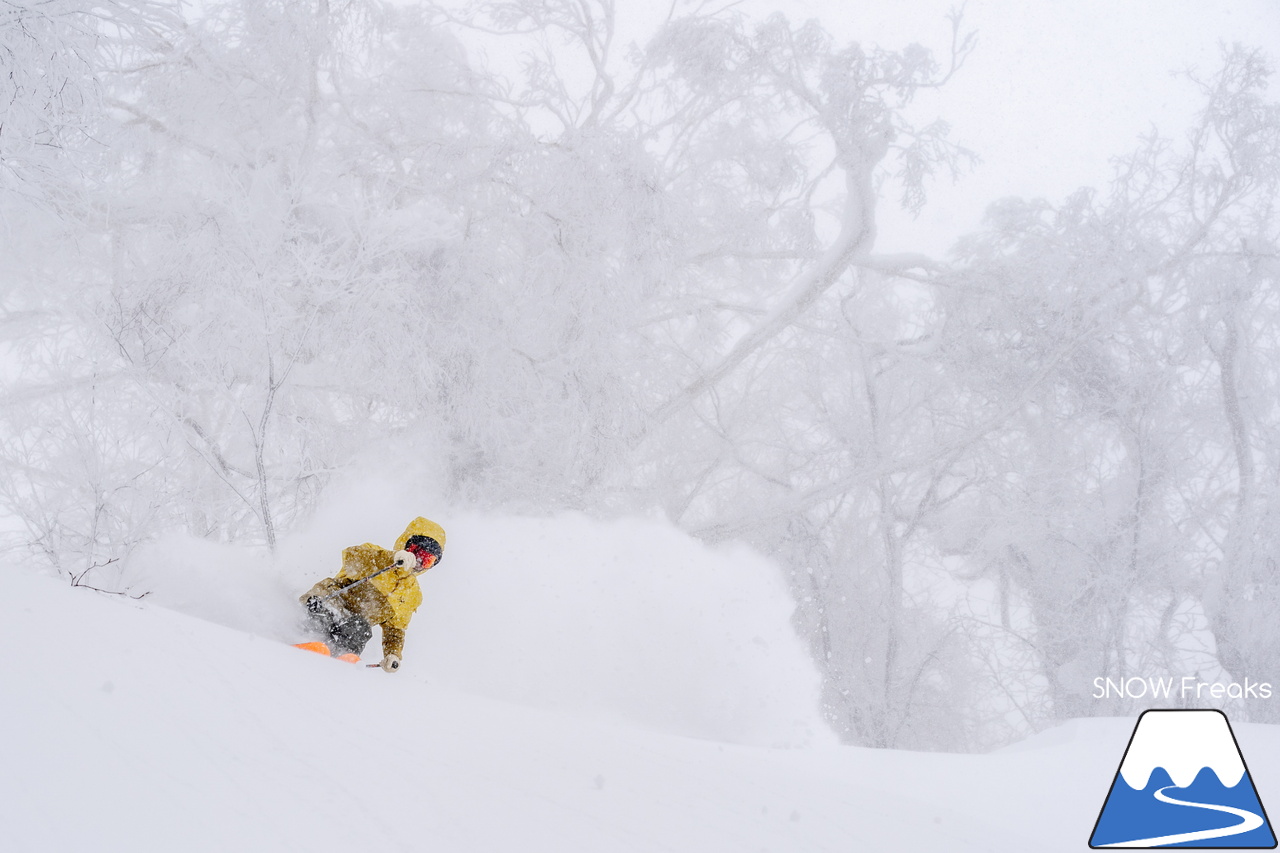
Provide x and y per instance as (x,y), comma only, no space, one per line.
(857,235)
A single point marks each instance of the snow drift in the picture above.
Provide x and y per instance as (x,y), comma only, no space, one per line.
(628,620)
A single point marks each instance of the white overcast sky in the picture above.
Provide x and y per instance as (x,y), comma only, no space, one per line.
(1054,90)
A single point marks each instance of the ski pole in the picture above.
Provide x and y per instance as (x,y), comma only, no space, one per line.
(357,583)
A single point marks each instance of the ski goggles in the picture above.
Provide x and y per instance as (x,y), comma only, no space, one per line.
(426,549)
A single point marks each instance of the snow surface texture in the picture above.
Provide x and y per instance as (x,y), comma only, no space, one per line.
(134,728)
(1183,743)
(631,621)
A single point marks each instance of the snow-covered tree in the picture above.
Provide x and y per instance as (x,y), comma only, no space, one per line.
(1117,334)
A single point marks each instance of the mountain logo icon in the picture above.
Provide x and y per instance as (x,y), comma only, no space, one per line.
(1183,783)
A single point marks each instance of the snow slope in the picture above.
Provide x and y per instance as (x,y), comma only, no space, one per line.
(130,726)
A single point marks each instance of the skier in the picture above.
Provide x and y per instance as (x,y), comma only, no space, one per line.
(374,587)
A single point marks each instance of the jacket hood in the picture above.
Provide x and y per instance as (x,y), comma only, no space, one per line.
(421,527)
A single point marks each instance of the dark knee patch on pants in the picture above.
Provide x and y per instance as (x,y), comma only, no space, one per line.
(350,635)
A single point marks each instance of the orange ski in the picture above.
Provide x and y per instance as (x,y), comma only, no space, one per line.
(322,649)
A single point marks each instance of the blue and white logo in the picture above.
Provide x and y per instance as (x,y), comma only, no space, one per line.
(1183,783)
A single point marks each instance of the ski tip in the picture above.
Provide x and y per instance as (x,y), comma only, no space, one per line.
(322,649)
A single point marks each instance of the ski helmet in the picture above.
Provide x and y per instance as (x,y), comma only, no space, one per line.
(423,547)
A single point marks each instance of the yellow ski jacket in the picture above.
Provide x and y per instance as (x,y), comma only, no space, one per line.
(390,599)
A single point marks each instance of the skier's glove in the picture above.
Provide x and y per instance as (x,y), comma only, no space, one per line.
(406,560)
(391,663)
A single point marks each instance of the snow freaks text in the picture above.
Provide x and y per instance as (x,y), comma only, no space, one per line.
(1187,687)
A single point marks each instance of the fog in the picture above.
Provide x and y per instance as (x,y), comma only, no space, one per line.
(545,257)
